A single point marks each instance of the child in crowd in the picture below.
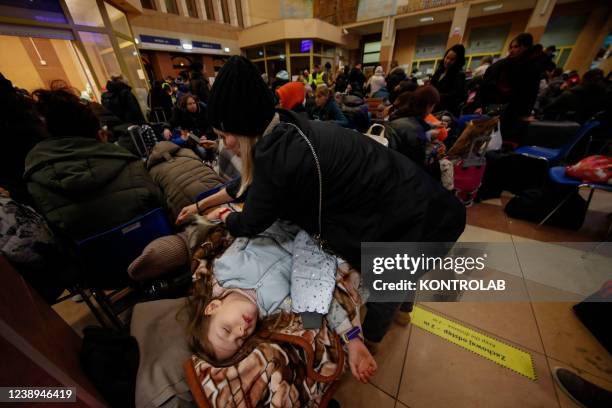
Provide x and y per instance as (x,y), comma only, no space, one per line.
(252,283)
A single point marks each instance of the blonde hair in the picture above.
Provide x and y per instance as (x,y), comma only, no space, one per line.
(246,155)
(322,90)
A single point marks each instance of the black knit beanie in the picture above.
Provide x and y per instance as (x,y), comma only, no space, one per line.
(240,102)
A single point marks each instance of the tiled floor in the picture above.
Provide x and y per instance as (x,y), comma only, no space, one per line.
(420,370)
(436,373)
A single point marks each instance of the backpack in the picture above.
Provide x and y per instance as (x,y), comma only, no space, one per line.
(535,204)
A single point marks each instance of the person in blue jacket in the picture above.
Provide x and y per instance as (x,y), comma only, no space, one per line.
(325,107)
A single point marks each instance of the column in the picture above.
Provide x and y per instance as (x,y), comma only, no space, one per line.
(201,9)
(231,5)
(539,18)
(387,42)
(460,18)
(182,8)
(218,11)
(246,13)
(160,5)
(590,40)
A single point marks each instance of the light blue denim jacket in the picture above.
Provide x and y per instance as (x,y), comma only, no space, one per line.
(285,268)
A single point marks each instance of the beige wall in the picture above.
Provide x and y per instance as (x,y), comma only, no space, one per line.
(25,70)
(154,20)
(405,40)
(18,68)
(517,19)
(262,11)
(289,29)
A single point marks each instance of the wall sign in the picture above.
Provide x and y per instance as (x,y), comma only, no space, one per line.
(160,40)
(201,44)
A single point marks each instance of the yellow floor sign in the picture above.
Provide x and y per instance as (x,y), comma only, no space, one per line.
(492,349)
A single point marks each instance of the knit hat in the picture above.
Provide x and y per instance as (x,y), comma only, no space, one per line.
(239,101)
(291,94)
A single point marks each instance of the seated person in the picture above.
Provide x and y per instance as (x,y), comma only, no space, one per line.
(325,107)
(253,280)
(190,117)
(580,102)
(81,184)
(291,96)
(413,136)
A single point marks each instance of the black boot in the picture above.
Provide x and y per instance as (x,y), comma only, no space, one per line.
(586,394)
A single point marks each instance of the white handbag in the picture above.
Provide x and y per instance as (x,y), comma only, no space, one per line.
(380,138)
(496,139)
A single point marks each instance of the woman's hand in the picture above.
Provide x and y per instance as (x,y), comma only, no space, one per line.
(185,213)
(167,134)
(363,366)
(208,144)
(218,214)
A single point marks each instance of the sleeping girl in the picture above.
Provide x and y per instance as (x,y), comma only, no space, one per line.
(259,277)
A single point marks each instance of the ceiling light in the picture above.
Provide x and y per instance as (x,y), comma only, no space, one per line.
(226,49)
(187,46)
(493,7)
(426,19)
(137,41)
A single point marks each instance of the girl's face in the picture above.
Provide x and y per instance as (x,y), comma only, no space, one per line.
(321,100)
(515,49)
(192,106)
(450,59)
(232,321)
(230,141)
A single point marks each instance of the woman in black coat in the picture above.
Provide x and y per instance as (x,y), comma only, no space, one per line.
(159,101)
(449,80)
(370,193)
(190,115)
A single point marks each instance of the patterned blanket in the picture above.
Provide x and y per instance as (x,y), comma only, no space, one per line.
(289,367)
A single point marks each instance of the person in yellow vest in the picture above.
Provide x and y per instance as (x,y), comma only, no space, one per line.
(316,78)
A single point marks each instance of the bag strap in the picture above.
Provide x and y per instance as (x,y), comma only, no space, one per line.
(318,237)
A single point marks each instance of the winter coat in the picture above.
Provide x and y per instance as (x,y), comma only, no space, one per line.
(408,138)
(84,187)
(396,76)
(341,83)
(357,80)
(159,99)
(376,82)
(199,86)
(329,112)
(579,103)
(452,90)
(119,99)
(511,81)
(180,174)
(370,193)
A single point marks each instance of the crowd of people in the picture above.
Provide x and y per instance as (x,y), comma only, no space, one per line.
(65,174)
